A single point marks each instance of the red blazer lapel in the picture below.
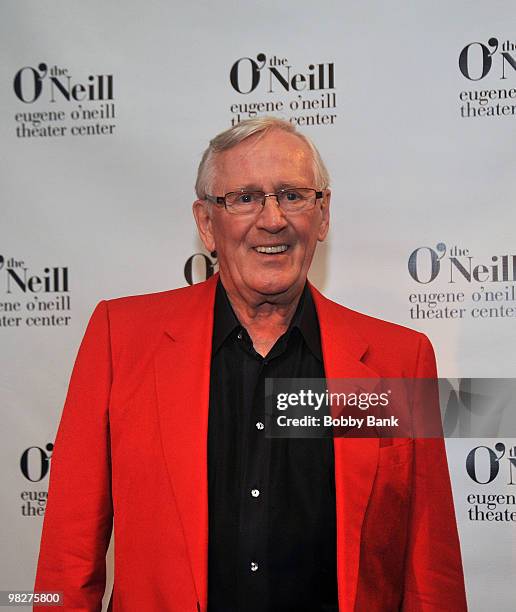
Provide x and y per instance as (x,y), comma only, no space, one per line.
(182,367)
(355,459)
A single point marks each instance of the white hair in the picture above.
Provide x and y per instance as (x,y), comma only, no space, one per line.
(236,134)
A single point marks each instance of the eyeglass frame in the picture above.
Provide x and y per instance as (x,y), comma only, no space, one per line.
(222,199)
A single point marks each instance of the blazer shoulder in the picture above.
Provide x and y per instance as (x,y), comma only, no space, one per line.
(155,307)
(136,323)
(370,327)
(390,348)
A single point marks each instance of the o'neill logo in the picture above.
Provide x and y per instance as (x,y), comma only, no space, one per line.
(88,103)
(309,88)
(490,461)
(199,267)
(486,465)
(246,72)
(489,282)
(34,465)
(29,83)
(35,462)
(477,60)
(35,297)
(425,264)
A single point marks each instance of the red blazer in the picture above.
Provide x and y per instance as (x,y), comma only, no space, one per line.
(132,450)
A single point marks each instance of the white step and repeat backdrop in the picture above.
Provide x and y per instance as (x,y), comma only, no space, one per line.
(106,108)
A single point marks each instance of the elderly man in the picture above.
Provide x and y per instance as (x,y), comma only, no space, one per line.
(163,430)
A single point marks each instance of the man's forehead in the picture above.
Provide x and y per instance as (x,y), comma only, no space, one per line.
(276,154)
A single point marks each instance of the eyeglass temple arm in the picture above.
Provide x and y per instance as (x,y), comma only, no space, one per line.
(216,199)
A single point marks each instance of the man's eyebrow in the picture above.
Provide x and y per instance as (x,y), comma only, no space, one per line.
(249,187)
(288,185)
(256,187)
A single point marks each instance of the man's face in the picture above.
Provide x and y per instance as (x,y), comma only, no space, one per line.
(265,163)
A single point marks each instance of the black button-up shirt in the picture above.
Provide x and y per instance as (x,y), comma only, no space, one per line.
(272,525)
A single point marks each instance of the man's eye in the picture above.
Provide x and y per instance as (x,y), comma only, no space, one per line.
(245,198)
(292,196)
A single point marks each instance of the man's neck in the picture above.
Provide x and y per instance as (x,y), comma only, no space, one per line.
(265,321)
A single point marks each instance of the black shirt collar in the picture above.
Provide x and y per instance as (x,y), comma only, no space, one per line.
(304,319)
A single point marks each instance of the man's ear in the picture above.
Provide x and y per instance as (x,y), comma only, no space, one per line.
(325,215)
(202,214)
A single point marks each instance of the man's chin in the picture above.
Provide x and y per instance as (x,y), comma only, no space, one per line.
(277,287)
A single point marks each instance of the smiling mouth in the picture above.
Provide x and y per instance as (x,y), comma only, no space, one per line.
(272,250)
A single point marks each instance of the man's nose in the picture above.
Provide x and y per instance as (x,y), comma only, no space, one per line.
(271,218)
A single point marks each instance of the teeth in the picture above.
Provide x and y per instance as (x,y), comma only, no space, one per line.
(272,249)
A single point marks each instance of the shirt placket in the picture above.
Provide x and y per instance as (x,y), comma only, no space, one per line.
(254,501)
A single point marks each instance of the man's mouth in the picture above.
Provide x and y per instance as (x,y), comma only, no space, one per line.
(272,250)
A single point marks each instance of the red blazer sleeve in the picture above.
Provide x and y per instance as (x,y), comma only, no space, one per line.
(434,579)
(78,518)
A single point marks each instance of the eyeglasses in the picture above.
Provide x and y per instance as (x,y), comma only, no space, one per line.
(295,199)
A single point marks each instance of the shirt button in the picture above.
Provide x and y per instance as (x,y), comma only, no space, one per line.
(260,425)
(254,566)
(239,335)
(255,492)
